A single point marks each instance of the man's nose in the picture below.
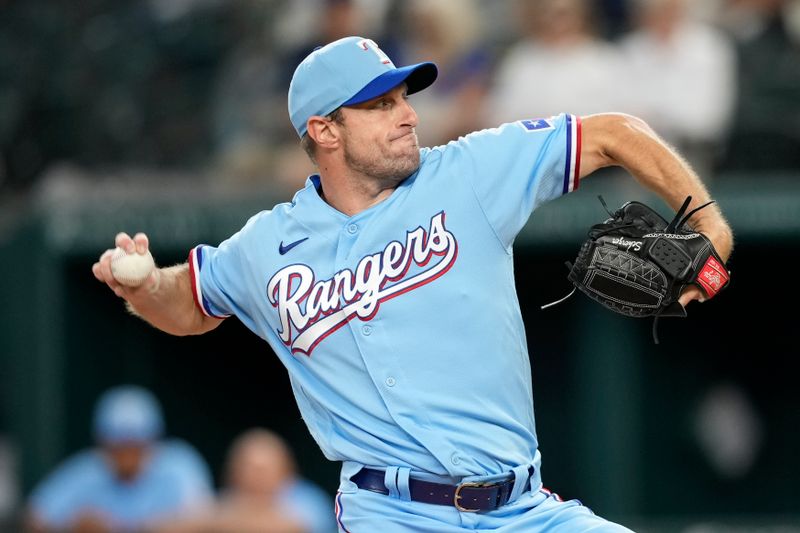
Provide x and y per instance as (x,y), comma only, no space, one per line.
(408,116)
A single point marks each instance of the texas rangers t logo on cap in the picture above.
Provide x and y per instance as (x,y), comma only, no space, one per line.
(369,44)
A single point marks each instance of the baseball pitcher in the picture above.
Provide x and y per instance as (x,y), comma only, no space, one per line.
(386,288)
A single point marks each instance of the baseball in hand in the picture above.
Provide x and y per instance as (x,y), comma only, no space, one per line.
(131,269)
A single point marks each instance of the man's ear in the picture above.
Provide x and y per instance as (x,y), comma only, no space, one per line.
(323,131)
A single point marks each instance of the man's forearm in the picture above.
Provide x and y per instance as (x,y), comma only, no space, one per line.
(630,143)
(168,303)
(667,174)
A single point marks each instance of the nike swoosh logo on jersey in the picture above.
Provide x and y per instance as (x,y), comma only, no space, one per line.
(283,249)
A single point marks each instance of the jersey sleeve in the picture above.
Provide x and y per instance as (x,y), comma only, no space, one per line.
(517,167)
(218,276)
(207,269)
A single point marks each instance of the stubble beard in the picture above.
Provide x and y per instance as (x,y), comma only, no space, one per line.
(381,165)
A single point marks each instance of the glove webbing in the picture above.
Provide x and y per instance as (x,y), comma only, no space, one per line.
(565,298)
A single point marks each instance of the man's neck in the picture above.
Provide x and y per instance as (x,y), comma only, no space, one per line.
(353,194)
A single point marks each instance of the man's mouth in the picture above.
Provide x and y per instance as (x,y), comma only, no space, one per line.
(404,135)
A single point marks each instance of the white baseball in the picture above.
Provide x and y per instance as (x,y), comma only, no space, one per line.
(131,269)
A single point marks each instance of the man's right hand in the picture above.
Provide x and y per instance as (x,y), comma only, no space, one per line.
(102,268)
(165,299)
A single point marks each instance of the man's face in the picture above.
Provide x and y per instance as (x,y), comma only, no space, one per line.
(259,469)
(379,137)
(127,460)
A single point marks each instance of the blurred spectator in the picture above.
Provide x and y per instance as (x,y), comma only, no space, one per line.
(558,66)
(681,78)
(262,494)
(747,19)
(307,24)
(766,130)
(248,106)
(616,17)
(449,33)
(255,143)
(131,479)
(106,83)
(31,43)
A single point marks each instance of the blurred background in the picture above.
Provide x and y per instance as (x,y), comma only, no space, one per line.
(169,117)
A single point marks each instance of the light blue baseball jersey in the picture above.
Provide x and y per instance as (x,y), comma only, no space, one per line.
(400,325)
(175,479)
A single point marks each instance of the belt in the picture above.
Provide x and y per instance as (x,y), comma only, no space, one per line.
(469,497)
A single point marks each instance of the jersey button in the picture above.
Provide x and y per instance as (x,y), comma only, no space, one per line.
(367,330)
(455,459)
(390,382)
(352,228)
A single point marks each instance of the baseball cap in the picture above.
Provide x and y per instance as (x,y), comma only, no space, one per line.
(347,72)
(127,414)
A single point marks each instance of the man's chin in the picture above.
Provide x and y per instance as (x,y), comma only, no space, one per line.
(412,164)
(410,154)
(400,173)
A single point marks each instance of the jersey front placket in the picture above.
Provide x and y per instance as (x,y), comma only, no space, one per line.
(365,332)
(374,343)
(361,236)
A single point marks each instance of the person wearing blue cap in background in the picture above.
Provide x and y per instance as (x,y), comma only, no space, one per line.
(386,287)
(131,480)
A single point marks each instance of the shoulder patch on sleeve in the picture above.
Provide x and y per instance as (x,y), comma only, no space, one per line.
(536,124)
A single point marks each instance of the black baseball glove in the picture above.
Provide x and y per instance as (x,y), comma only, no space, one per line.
(637,264)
